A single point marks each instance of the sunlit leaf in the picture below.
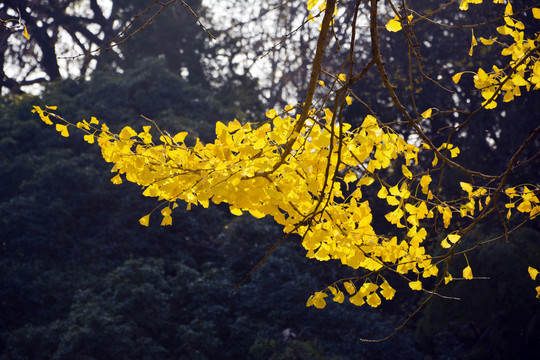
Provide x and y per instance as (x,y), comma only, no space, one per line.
(457,77)
(427,114)
(393,25)
(349,286)
(467,273)
(533,273)
(62,129)
(145,220)
(415,285)
(373,300)
(235,211)
(487,41)
(387,291)
(272,113)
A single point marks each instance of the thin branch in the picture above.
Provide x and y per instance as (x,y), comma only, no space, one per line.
(315,71)
(198,19)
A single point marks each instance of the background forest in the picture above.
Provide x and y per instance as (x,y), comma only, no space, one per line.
(81,279)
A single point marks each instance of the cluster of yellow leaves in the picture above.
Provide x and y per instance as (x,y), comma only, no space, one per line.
(526,200)
(238,168)
(367,293)
(522,71)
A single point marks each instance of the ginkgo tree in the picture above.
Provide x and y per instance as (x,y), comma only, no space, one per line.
(309,169)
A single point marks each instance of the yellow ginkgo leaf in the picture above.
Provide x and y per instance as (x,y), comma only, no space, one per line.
(89,138)
(427,114)
(25,33)
(393,25)
(508,10)
(383,193)
(166,211)
(145,220)
(311,4)
(504,30)
(406,172)
(339,297)
(536,13)
(467,273)
(342,77)
(333,290)
(454,238)
(525,207)
(348,100)
(117,180)
(328,114)
(466,187)
(457,77)
(424,183)
(317,300)
(392,201)
(167,221)
(272,113)
(357,299)
(490,105)
(373,300)
(235,211)
(180,137)
(519,80)
(387,291)
(533,273)
(349,286)
(350,177)
(256,213)
(445,244)
(366,180)
(487,41)
(416,285)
